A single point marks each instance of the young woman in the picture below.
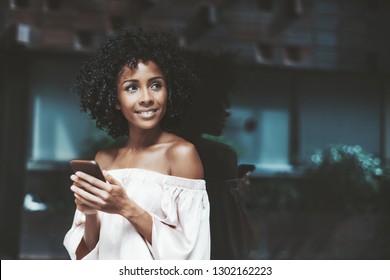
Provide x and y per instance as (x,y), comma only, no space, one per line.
(153,204)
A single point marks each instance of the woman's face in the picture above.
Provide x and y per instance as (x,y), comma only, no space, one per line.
(142,95)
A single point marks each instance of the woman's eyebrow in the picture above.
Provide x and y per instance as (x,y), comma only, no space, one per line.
(156,78)
(130,81)
(137,81)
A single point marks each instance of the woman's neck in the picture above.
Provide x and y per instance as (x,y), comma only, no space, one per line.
(142,138)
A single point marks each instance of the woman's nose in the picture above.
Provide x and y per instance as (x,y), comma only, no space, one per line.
(146,98)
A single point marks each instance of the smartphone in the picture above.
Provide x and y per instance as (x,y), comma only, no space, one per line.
(89,167)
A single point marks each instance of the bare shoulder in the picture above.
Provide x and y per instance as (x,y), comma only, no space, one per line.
(184,160)
(181,148)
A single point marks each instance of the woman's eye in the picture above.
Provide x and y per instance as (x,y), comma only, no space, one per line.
(131,88)
(156,86)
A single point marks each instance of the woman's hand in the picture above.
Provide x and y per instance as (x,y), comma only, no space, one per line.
(93,194)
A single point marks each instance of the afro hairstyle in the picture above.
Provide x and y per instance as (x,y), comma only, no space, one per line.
(96,83)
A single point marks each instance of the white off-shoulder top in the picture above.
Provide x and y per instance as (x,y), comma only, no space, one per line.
(180,211)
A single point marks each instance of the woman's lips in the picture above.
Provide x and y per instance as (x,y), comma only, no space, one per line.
(147,113)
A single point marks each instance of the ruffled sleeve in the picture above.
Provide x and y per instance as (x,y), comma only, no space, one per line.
(183,230)
(75,234)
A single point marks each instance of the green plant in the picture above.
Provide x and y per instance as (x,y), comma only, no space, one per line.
(342,178)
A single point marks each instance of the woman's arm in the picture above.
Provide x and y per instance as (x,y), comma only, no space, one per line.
(91,236)
(92,223)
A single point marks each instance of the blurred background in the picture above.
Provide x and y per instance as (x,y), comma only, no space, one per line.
(311,111)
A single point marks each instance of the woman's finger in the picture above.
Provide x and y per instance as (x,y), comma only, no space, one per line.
(85,206)
(88,187)
(83,202)
(87,196)
(91,180)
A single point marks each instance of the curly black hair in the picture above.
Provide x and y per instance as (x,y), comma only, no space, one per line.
(96,83)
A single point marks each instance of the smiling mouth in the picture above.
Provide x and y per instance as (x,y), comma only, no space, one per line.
(146,113)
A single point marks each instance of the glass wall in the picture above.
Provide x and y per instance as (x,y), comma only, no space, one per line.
(330,108)
(59,131)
